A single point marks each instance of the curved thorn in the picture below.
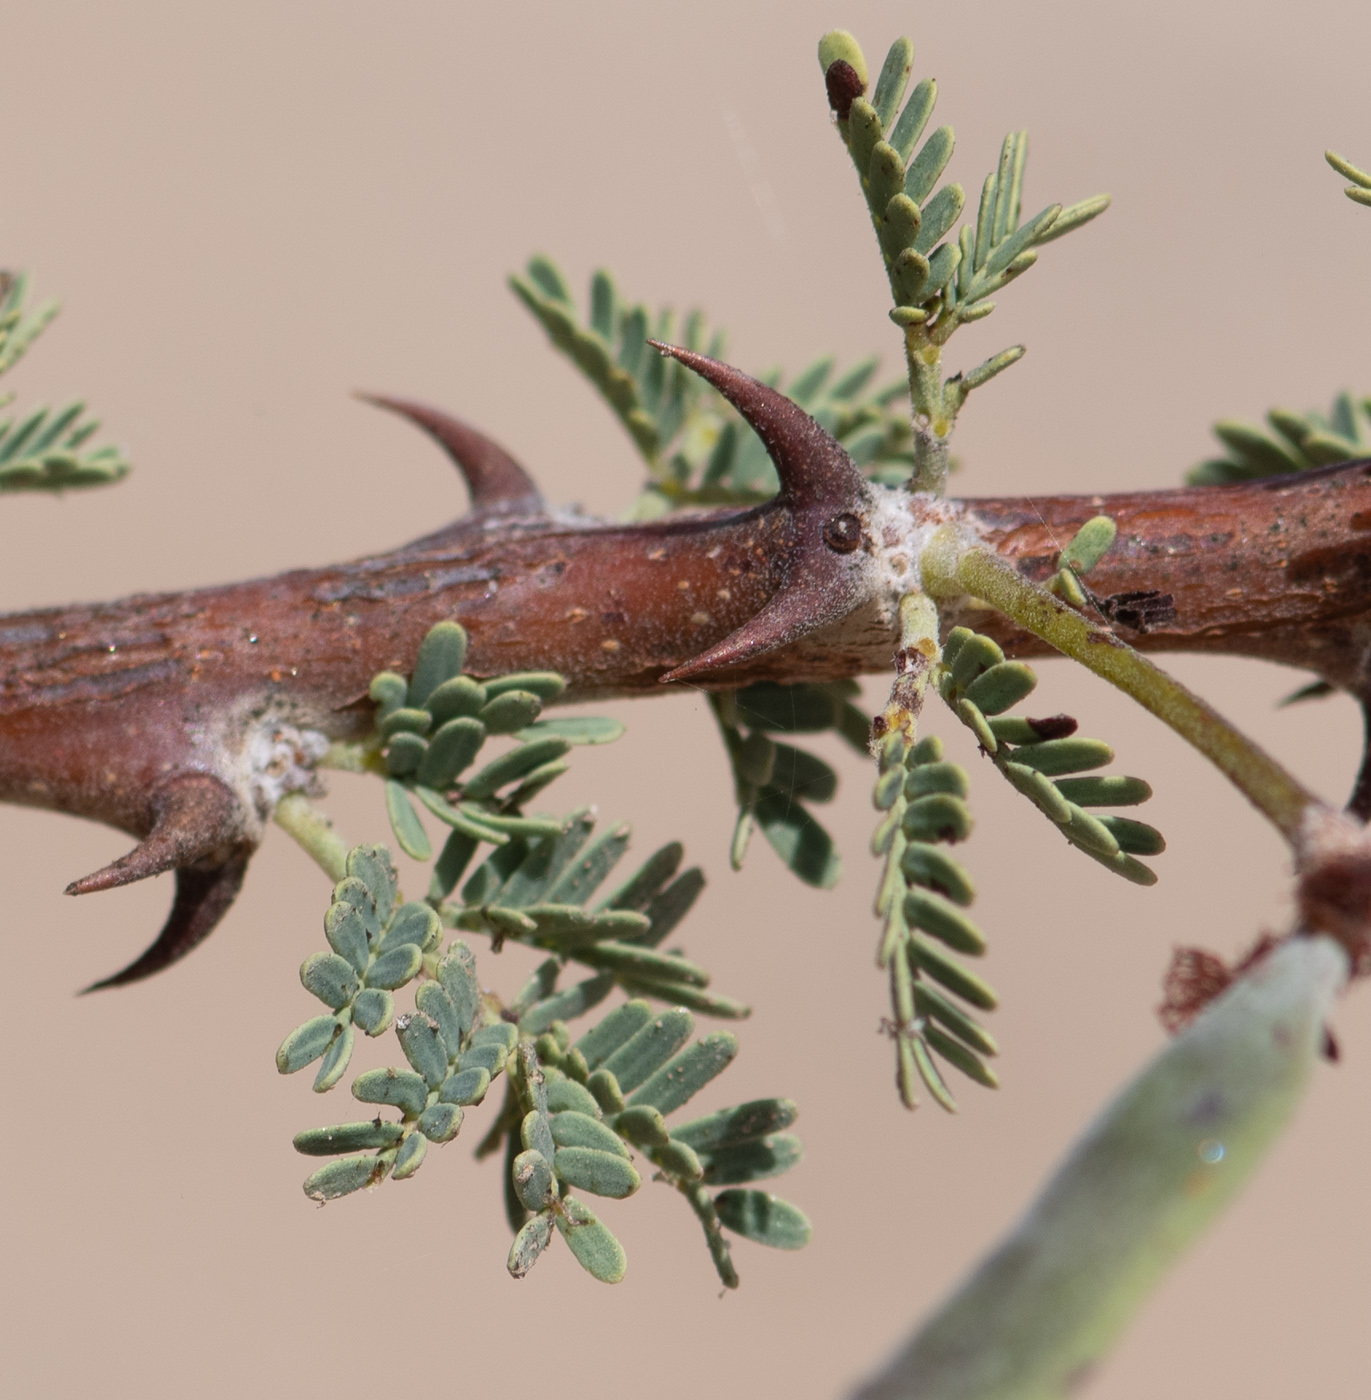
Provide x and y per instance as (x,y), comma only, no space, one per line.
(826,498)
(812,465)
(196,818)
(203,897)
(497,483)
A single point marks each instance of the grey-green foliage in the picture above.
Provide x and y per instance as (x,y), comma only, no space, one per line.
(1044,758)
(698,449)
(921,902)
(44,449)
(540,885)
(1359,191)
(1295,442)
(939,278)
(575,1110)
(775,781)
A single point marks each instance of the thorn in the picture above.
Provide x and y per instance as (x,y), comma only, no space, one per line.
(196,818)
(203,897)
(497,483)
(826,498)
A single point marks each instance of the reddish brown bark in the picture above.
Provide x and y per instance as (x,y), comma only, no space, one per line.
(144,713)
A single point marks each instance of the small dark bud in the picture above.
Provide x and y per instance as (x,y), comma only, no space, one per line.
(843,533)
(844,87)
(1053,727)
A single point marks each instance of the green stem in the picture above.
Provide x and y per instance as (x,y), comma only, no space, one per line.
(952,568)
(314,832)
(1144,1182)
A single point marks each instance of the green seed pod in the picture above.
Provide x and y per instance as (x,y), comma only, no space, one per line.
(936,777)
(517,763)
(976,654)
(1090,834)
(616,1029)
(405,721)
(410,1157)
(535,1133)
(399,1088)
(929,749)
(941,918)
(937,817)
(573,1129)
(684,1075)
(466,1087)
(336,1060)
(395,967)
(344,1176)
(1041,791)
(546,685)
(330,978)
(440,1122)
(751,1161)
(767,1219)
(441,655)
(373,1010)
(600,1173)
(957,1055)
(605,1089)
(1089,545)
(529,1243)
(348,1137)
(404,822)
(594,1247)
(1001,687)
(490,1058)
(929,1002)
(926,957)
(1055,756)
(731,1126)
(347,935)
(643,1126)
(678,1160)
(373,866)
(450,751)
(389,691)
(404,754)
(306,1043)
(567,1096)
(933,868)
(888,788)
(976,722)
(650,1048)
(435,1003)
(454,699)
(424,1047)
(1104,791)
(1137,838)
(413,922)
(457,974)
(510,711)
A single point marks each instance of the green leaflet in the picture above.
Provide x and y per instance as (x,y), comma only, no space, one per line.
(685,1074)
(731,1126)
(764,1218)
(574,1128)
(347,1137)
(398,1088)
(529,1243)
(649,1048)
(595,1248)
(404,822)
(600,1173)
(751,1161)
(344,1176)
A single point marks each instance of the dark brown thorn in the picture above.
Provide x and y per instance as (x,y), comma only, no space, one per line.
(203,897)
(497,483)
(195,818)
(826,498)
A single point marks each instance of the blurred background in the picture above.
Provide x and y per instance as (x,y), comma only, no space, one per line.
(252,209)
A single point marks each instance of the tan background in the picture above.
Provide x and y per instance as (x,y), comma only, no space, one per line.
(251,208)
